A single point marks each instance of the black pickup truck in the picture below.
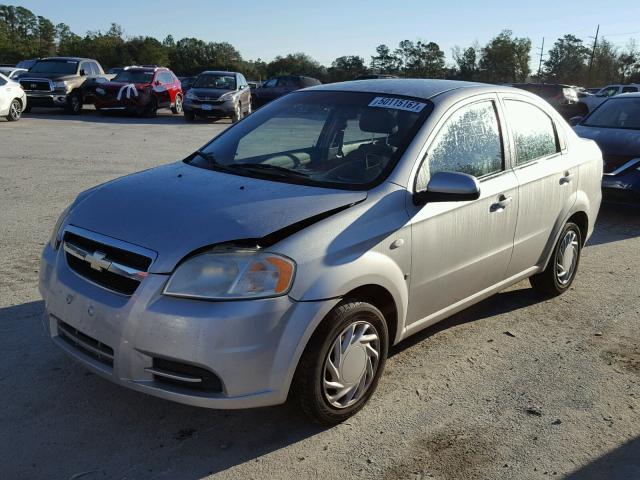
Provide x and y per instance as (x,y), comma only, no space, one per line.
(62,82)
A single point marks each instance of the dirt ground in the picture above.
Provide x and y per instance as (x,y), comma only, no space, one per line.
(513,388)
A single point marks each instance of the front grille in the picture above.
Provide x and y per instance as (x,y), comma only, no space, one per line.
(86,344)
(193,377)
(205,100)
(103,274)
(36,85)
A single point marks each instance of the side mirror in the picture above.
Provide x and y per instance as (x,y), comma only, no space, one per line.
(573,121)
(449,187)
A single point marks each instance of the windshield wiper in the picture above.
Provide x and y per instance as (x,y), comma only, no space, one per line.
(267,167)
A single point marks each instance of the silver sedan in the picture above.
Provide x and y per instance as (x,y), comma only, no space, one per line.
(286,256)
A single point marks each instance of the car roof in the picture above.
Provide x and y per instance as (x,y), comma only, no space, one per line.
(412,87)
(218,72)
(69,59)
(627,95)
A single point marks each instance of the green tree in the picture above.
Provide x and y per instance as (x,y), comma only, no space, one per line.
(296,64)
(567,62)
(385,61)
(505,59)
(347,68)
(466,63)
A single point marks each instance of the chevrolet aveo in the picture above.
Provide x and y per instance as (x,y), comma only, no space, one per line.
(286,256)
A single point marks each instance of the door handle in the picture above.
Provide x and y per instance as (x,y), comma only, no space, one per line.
(568,176)
(501,204)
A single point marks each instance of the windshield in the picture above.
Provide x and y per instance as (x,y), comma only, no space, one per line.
(55,66)
(346,140)
(222,82)
(133,76)
(617,112)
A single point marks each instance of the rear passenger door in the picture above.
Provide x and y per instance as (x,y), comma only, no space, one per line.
(547,176)
(461,248)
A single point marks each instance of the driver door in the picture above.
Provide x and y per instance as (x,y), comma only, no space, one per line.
(462,248)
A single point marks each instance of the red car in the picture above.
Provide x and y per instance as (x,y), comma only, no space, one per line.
(140,90)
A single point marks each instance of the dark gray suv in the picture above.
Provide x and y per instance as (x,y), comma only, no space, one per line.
(218,94)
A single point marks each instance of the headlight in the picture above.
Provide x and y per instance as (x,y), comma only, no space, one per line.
(55,235)
(226,96)
(191,95)
(100,91)
(232,275)
(60,85)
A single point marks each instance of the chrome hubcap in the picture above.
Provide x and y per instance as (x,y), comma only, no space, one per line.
(351,364)
(567,257)
(15,110)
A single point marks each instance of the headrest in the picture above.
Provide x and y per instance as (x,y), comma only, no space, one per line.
(378,120)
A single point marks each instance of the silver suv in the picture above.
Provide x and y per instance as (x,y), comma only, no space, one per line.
(286,256)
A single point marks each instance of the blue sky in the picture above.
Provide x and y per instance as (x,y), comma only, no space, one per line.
(326,29)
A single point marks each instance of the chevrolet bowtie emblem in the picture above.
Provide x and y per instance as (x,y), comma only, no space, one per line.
(97,261)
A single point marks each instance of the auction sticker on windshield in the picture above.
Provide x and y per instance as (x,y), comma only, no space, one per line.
(398,104)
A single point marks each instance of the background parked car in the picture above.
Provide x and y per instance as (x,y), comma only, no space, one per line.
(115,70)
(140,90)
(218,94)
(13,100)
(374,76)
(12,72)
(564,98)
(62,82)
(279,86)
(615,127)
(602,94)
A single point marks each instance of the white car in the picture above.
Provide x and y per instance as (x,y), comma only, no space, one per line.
(592,101)
(13,100)
(12,72)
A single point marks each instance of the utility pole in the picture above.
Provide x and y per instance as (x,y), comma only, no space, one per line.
(541,55)
(593,52)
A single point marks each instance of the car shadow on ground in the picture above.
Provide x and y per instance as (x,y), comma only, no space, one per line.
(623,463)
(90,115)
(615,222)
(79,423)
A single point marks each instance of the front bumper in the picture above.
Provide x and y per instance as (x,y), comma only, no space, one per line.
(252,347)
(209,109)
(623,185)
(46,99)
(136,104)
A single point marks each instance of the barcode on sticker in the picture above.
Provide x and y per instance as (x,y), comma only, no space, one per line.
(398,104)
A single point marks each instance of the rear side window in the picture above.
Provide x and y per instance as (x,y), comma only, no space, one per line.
(533,131)
(469,142)
(629,89)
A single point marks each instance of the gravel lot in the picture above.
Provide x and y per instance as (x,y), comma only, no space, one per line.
(513,388)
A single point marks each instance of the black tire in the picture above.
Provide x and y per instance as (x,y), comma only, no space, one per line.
(177,106)
(189,117)
(15,110)
(237,114)
(307,386)
(151,110)
(74,104)
(548,282)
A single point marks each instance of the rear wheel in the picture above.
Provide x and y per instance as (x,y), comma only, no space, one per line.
(151,109)
(177,106)
(563,265)
(15,110)
(340,368)
(74,104)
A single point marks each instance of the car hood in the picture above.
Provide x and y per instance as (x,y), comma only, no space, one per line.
(209,92)
(176,209)
(50,76)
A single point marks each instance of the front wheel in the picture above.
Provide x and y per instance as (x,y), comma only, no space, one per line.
(342,364)
(15,110)
(563,265)
(177,106)
(237,113)
(151,110)
(74,104)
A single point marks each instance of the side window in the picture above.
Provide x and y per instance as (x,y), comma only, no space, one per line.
(469,142)
(96,68)
(270,83)
(629,89)
(533,131)
(2,81)
(609,91)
